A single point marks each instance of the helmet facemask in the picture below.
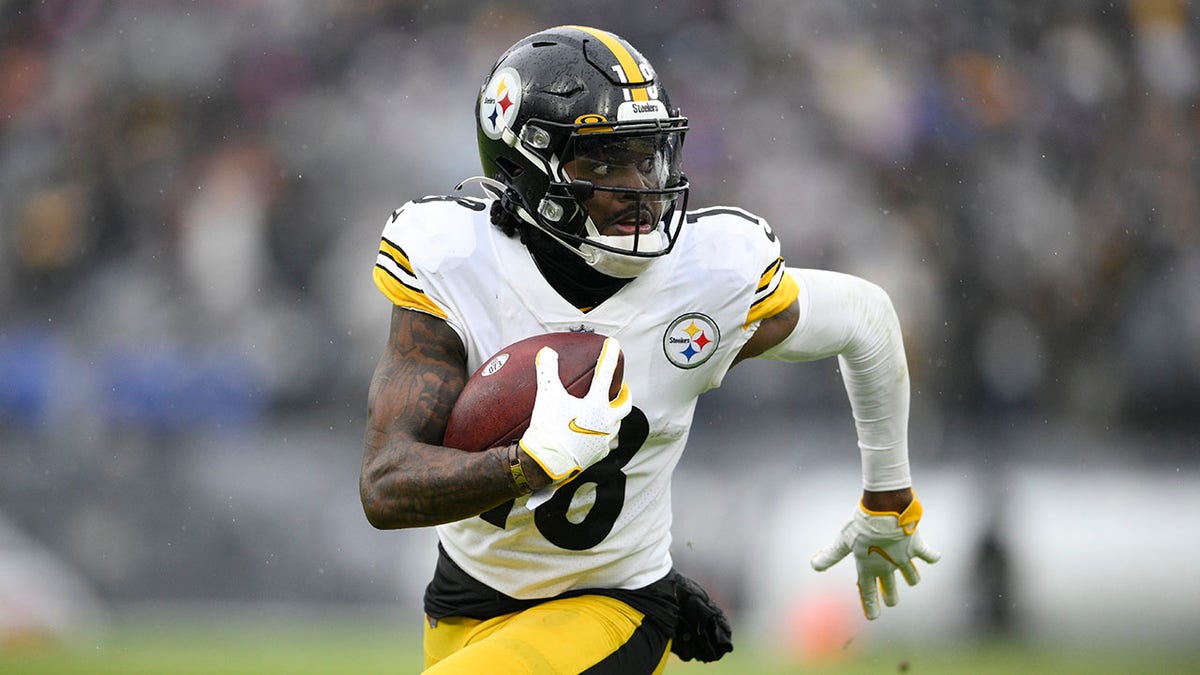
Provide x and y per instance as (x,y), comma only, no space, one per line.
(615,192)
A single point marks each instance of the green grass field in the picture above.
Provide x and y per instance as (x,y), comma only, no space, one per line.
(208,648)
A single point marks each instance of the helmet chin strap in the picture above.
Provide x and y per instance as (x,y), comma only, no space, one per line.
(625,266)
(609,263)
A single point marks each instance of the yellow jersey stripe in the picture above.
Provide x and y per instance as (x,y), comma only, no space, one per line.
(781,298)
(768,275)
(394,252)
(633,74)
(404,295)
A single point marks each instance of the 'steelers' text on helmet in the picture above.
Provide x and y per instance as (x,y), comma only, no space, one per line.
(579,93)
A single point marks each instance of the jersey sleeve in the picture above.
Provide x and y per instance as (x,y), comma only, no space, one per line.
(744,243)
(776,292)
(395,275)
(427,259)
(420,243)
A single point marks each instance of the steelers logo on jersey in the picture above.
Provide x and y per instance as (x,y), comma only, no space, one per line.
(691,340)
(500,102)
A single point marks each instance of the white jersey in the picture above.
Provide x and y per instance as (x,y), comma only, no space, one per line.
(680,325)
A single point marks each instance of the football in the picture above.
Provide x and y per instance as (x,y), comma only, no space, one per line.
(497,401)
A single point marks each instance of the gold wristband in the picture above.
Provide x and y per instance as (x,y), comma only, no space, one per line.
(514,467)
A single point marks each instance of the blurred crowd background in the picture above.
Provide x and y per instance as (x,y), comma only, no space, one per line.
(191,195)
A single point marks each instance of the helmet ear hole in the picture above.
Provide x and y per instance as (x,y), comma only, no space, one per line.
(509,167)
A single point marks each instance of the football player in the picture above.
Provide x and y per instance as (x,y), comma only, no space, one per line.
(554,552)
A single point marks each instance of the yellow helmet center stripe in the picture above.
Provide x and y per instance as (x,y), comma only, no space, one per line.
(633,74)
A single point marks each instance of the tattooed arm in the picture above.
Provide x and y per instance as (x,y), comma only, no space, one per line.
(408,479)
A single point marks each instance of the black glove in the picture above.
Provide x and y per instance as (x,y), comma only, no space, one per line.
(702,631)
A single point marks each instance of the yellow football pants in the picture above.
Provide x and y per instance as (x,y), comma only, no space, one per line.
(589,633)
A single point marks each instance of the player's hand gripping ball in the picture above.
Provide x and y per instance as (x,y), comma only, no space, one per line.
(497,402)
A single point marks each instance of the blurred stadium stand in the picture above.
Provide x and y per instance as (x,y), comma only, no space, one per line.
(191,196)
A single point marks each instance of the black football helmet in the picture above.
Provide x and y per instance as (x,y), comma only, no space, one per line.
(578,93)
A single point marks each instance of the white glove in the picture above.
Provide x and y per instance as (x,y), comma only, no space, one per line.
(568,434)
(882,542)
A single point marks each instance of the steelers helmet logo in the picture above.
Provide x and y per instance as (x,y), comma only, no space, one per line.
(500,102)
(691,340)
